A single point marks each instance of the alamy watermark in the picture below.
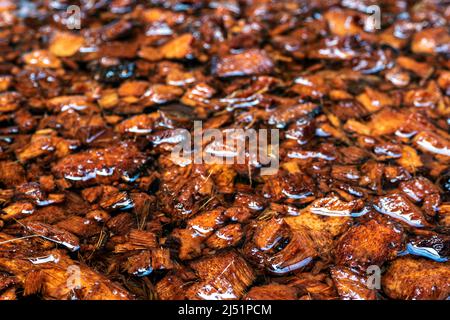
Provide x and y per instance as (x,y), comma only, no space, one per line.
(257,148)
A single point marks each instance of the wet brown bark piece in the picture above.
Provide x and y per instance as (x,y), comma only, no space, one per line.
(351,285)
(271,292)
(224,276)
(251,62)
